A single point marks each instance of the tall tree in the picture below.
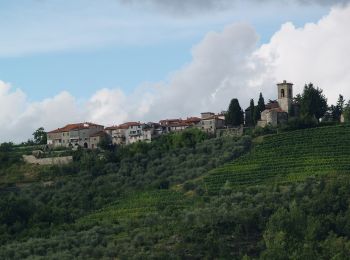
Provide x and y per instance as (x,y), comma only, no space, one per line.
(40,136)
(338,109)
(261,103)
(249,117)
(234,116)
(257,115)
(313,102)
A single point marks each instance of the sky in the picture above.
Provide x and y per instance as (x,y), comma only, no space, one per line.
(111,61)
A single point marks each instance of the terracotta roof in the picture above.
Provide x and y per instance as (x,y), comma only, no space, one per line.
(272,104)
(192,120)
(128,124)
(170,121)
(71,127)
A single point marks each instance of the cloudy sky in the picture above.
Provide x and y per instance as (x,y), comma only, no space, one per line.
(110,61)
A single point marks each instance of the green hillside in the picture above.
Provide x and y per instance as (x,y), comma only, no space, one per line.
(138,205)
(289,156)
(149,201)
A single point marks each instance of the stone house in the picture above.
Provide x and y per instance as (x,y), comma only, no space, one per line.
(73,135)
(152,130)
(134,132)
(210,122)
(96,138)
(169,125)
(109,130)
(277,112)
(118,134)
(131,132)
(178,125)
(193,121)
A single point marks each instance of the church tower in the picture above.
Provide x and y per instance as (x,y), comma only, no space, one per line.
(285,96)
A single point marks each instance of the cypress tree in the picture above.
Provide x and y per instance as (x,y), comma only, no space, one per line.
(250,117)
(261,103)
(234,116)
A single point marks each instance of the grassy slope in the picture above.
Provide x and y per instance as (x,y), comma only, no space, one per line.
(138,205)
(285,157)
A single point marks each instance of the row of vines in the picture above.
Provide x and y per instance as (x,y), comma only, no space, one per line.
(286,157)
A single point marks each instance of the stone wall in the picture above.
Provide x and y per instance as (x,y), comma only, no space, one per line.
(47,161)
(236,132)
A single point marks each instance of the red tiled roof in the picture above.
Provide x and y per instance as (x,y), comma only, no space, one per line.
(192,120)
(170,121)
(71,127)
(272,104)
(128,124)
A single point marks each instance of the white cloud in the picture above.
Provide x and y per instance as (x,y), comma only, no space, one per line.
(188,7)
(220,69)
(314,53)
(224,65)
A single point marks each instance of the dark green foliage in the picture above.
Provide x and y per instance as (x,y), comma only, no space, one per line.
(40,136)
(313,102)
(261,103)
(257,115)
(250,114)
(336,111)
(296,123)
(95,179)
(307,220)
(8,156)
(347,112)
(106,143)
(148,201)
(234,116)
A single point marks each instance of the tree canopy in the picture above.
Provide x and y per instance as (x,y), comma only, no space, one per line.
(40,136)
(261,103)
(249,117)
(337,110)
(234,116)
(313,102)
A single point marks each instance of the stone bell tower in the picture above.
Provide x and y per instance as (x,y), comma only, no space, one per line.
(285,96)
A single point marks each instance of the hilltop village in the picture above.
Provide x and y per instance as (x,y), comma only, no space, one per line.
(89,135)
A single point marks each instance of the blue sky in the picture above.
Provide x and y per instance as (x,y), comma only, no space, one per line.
(113,61)
(82,46)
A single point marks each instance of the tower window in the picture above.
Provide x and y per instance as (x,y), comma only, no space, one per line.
(289,93)
(282,93)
